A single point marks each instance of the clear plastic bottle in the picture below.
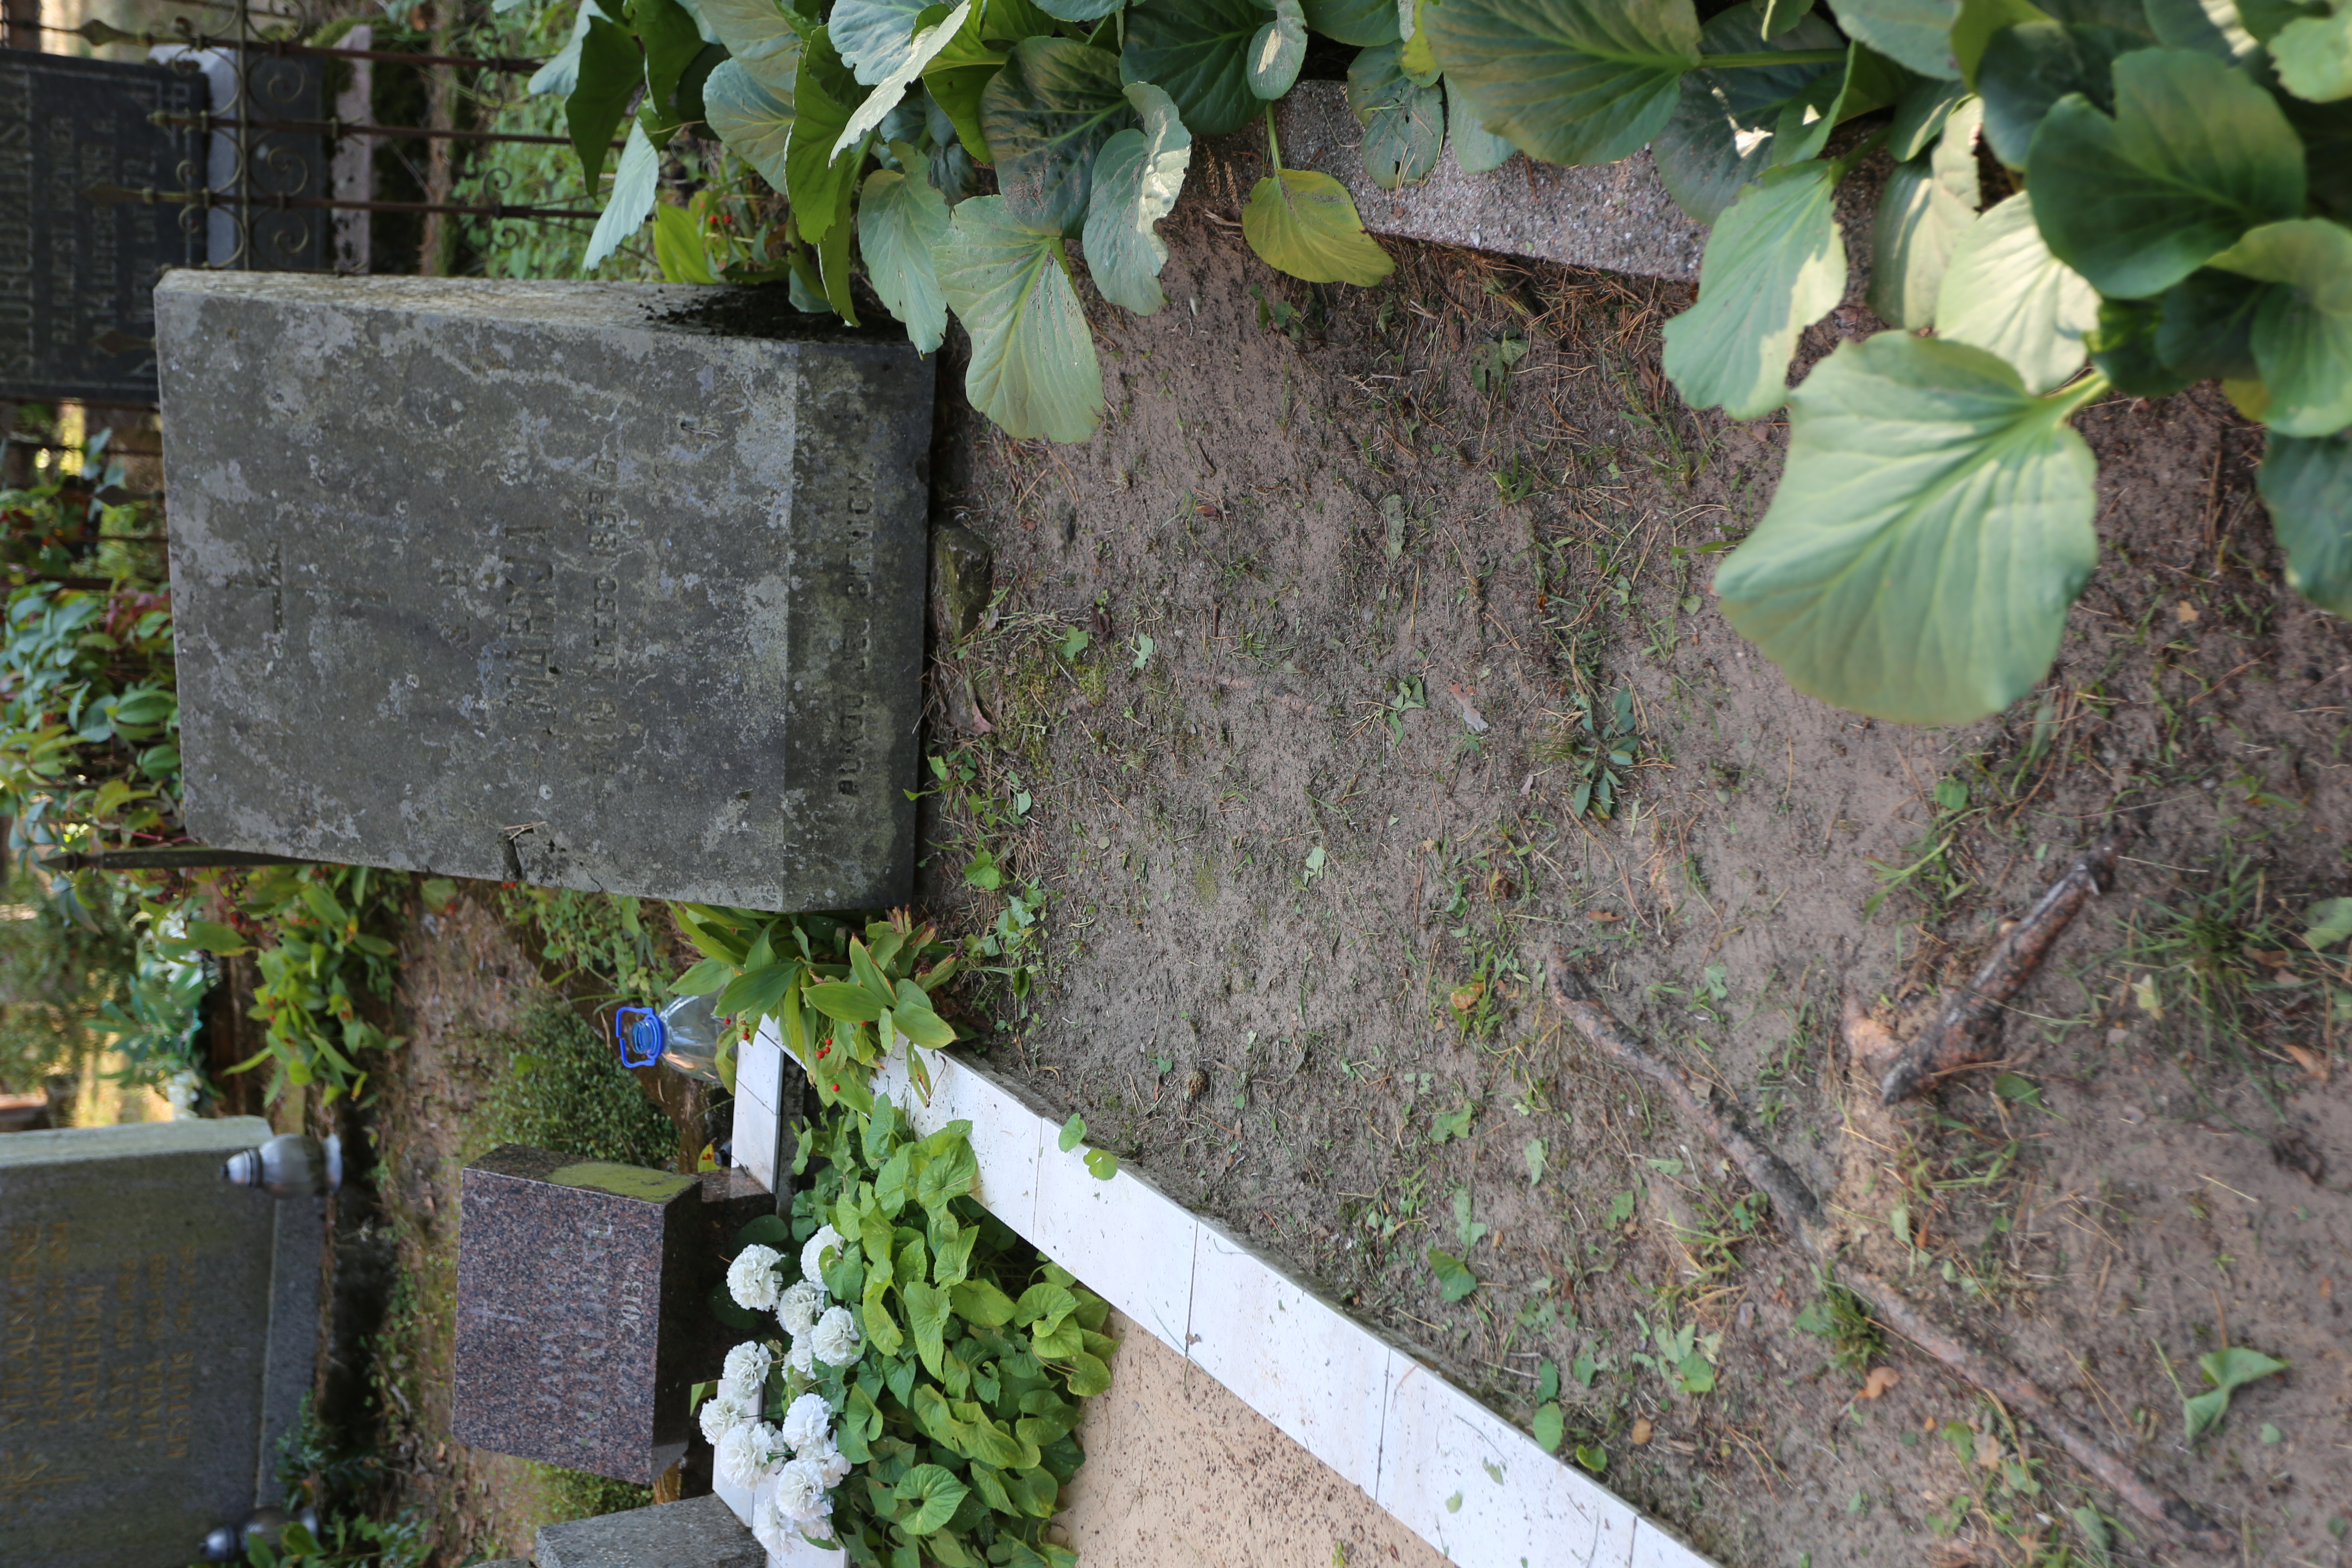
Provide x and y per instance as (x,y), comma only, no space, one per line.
(685,1033)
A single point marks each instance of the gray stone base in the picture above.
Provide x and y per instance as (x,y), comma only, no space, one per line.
(700,1532)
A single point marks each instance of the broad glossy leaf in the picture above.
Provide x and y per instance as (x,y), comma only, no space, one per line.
(957,90)
(900,221)
(756,125)
(610,73)
(2005,293)
(1979,20)
(2212,26)
(1721,133)
(887,99)
(1568,81)
(635,183)
(680,252)
(561,74)
(1137,175)
(1779,17)
(1868,81)
(874,36)
(937,1494)
(2195,156)
(2026,69)
(1033,369)
(1917,33)
(760,37)
(1275,52)
(2302,328)
(1415,56)
(1931,527)
(1046,115)
(672,40)
(2307,482)
(1304,223)
(2123,347)
(1919,116)
(2314,56)
(2327,132)
(1404,125)
(927,1309)
(874,1312)
(978,1302)
(1197,51)
(1927,205)
(1367,23)
(825,95)
(1774,265)
(1477,150)
(2205,329)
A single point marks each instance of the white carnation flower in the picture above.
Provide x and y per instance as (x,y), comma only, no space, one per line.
(812,1254)
(721,1413)
(835,1339)
(751,1277)
(808,1424)
(833,1464)
(769,1525)
(748,1453)
(800,1495)
(799,1306)
(746,1369)
(801,1357)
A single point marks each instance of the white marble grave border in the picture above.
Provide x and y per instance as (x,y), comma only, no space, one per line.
(1463,1478)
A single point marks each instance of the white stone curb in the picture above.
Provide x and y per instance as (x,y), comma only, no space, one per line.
(1463,1478)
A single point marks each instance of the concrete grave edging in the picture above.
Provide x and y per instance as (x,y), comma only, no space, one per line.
(1465,1479)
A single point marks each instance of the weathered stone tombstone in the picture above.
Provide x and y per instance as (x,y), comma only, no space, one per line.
(582,1306)
(76,277)
(158,1328)
(610,586)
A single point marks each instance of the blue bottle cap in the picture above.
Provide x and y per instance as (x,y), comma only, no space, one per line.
(642,1034)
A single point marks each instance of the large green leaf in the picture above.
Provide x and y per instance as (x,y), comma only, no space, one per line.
(1305,223)
(1928,203)
(1775,264)
(1918,32)
(635,184)
(1046,115)
(825,95)
(1367,23)
(874,36)
(610,73)
(2123,350)
(1034,369)
(2206,326)
(672,39)
(2307,481)
(1568,81)
(921,50)
(1277,50)
(2195,156)
(2026,69)
(2302,328)
(936,1493)
(2314,56)
(928,1310)
(1138,175)
(1721,133)
(2212,26)
(760,37)
(1198,52)
(1920,114)
(2327,132)
(1868,81)
(1404,124)
(1931,527)
(1477,149)
(2005,293)
(900,221)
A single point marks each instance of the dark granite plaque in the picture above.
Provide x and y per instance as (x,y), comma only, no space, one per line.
(583,1316)
(158,1328)
(612,586)
(76,278)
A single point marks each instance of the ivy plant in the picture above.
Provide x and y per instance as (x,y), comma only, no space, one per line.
(2165,201)
(872,119)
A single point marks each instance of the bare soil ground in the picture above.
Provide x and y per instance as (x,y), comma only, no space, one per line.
(1304,811)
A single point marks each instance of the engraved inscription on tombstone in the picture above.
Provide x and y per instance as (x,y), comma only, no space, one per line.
(580,1314)
(612,586)
(76,277)
(158,1328)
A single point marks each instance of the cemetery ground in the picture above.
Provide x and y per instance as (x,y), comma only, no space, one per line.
(1292,727)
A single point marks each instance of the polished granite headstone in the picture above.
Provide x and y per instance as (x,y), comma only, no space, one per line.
(78,277)
(583,1306)
(158,1329)
(610,586)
